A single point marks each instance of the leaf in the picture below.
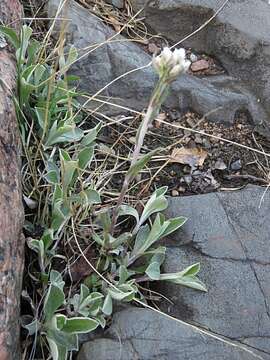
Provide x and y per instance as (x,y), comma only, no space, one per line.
(153,271)
(174,224)
(38,73)
(139,165)
(47,238)
(72,55)
(90,197)
(123,238)
(25,35)
(85,156)
(64,340)
(91,299)
(190,156)
(56,352)
(107,305)
(124,292)
(65,133)
(188,281)
(40,113)
(157,229)
(54,299)
(156,203)
(60,215)
(32,51)
(191,270)
(141,238)
(79,325)
(33,327)
(186,277)
(53,173)
(84,292)
(68,168)
(91,136)
(11,36)
(126,210)
(124,274)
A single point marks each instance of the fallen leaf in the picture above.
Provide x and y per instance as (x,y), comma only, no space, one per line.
(80,268)
(116,25)
(190,156)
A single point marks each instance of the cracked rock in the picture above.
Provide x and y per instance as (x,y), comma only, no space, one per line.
(101,65)
(228,233)
(239,36)
(140,334)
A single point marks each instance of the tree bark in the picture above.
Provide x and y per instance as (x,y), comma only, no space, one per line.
(11,209)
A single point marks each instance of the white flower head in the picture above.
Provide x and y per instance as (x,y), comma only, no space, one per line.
(173,63)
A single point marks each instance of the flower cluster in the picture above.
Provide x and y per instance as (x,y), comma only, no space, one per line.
(171,63)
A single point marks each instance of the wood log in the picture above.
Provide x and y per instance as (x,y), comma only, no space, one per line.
(11,209)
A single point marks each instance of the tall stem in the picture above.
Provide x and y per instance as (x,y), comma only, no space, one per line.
(152,111)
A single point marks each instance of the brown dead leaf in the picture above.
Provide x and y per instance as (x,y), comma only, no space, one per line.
(116,25)
(80,269)
(190,156)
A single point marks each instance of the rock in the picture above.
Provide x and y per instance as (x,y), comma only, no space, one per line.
(228,233)
(236,165)
(141,334)
(11,207)
(101,65)
(188,179)
(239,36)
(220,165)
(117,3)
(199,65)
(193,58)
(175,193)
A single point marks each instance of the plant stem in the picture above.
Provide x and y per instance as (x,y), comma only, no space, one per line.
(156,100)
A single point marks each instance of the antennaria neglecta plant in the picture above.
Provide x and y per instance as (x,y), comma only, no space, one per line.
(63,200)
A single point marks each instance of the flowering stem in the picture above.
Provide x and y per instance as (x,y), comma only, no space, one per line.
(157,98)
(168,65)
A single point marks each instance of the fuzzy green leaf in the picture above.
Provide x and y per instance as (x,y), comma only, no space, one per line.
(85,157)
(139,165)
(107,305)
(91,136)
(54,299)
(79,325)
(10,35)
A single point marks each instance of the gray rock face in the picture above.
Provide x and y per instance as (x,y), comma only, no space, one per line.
(228,233)
(139,334)
(239,36)
(106,57)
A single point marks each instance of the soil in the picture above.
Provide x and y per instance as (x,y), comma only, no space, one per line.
(227,165)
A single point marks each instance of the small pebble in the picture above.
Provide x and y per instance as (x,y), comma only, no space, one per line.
(181,189)
(193,58)
(198,139)
(188,179)
(117,3)
(175,193)
(191,122)
(199,65)
(236,165)
(172,173)
(206,143)
(220,165)
(186,169)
